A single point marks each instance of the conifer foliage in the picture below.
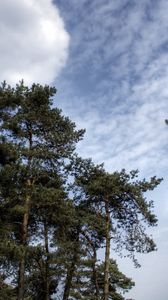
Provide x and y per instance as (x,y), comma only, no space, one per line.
(58,210)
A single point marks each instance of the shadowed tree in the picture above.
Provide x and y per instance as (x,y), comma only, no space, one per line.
(43,141)
(58,210)
(119,197)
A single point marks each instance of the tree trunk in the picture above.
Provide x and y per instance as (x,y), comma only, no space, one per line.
(69,278)
(107,252)
(95,277)
(47,283)
(71,270)
(21,279)
(95,274)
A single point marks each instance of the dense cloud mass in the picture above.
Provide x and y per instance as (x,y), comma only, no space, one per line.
(34,42)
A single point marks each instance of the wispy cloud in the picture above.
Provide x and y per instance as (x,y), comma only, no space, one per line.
(34,42)
(116,81)
(115,86)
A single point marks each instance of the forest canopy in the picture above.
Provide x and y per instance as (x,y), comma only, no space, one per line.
(59,210)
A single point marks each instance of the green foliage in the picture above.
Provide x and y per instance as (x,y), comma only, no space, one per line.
(37,143)
(54,206)
(129,209)
(7,291)
(118,282)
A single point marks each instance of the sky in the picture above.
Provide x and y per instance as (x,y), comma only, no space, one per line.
(108,60)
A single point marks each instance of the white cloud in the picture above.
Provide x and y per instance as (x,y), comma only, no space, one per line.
(34,42)
(123,46)
(116,87)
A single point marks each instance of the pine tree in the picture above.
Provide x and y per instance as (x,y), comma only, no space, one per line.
(42,141)
(119,284)
(83,284)
(119,197)
(58,210)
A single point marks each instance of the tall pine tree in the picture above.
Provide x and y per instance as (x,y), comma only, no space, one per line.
(119,197)
(42,141)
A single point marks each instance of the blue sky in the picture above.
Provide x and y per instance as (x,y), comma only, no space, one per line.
(109,61)
(114,84)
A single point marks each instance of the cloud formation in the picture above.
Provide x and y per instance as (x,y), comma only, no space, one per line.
(34,42)
(115,86)
(117,78)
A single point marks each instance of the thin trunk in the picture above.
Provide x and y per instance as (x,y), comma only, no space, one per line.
(47,291)
(20,295)
(71,271)
(107,252)
(21,279)
(24,230)
(70,274)
(95,276)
